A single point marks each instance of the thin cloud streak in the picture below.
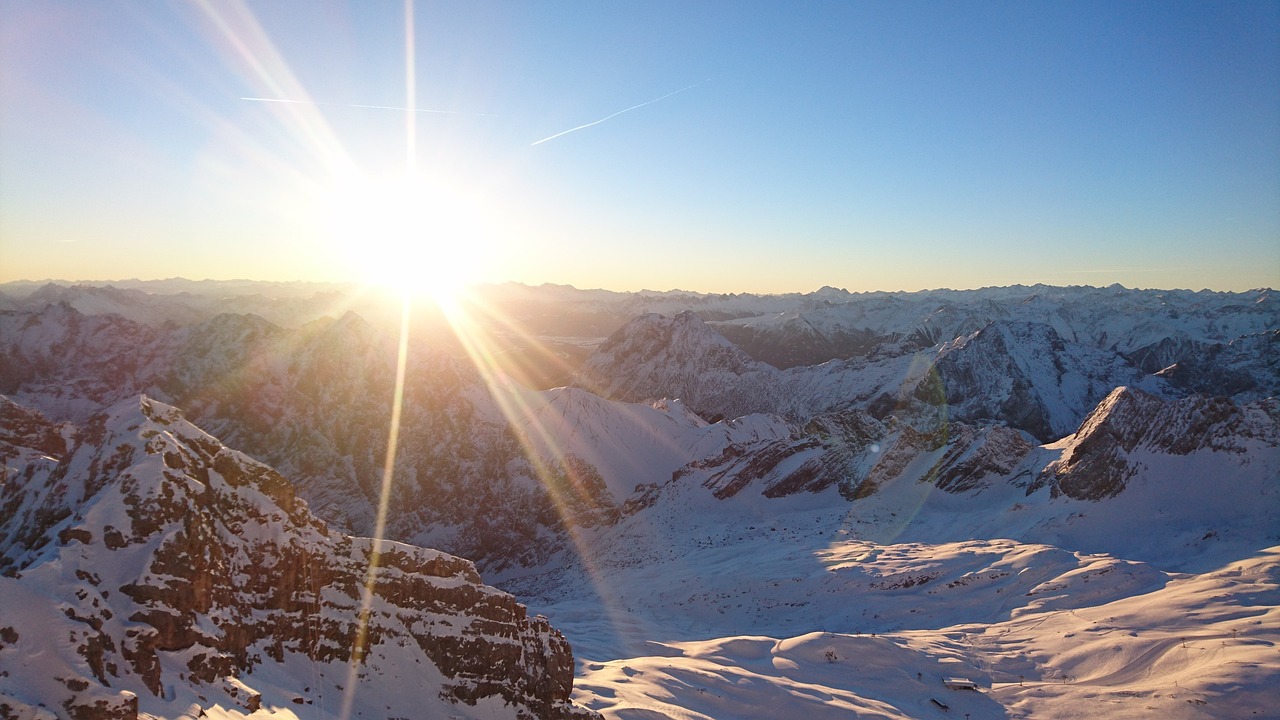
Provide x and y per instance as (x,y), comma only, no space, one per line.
(609,117)
(1134,268)
(368,107)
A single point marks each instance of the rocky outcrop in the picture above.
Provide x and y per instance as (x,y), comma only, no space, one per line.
(1108,449)
(976,456)
(1247,368)
(823,453)
(1165,352)
(23,429)
(858,454)
(181,570)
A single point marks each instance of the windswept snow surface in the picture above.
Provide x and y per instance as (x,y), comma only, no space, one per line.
(1176,652)
(1162,601)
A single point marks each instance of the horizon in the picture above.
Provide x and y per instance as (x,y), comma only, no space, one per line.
(722,147)
(112,283)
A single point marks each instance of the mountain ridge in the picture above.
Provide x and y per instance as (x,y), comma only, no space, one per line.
(993,473)
(186,570)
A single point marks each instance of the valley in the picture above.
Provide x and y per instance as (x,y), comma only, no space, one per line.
(1068,496)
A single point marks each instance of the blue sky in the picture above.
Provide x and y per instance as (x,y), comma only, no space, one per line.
(863,145)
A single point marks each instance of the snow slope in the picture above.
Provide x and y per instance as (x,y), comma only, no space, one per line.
(991,484)
(629,444)
(1176,652)
(701,606)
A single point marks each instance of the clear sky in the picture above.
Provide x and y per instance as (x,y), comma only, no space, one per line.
(744,146)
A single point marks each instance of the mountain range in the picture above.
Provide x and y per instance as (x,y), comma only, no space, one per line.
(722,501)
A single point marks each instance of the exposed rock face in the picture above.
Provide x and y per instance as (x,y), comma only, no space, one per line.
(968,458)
(23,429)
(975,456)
(1247,368)
(1020,374)
(315,402)
(1027,376)
(1108,449)
(858,454)
(182,569)
(656,357)
(823,453)
(1159,355)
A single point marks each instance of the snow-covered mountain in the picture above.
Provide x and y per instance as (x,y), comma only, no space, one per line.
(1129,427)
(501,474)
(1131,567)
(808,329)
(782,330)
(315,402)
(1026,376)
(1247,367)
(1021,374)
(148,570)
(183,302)
(985,480)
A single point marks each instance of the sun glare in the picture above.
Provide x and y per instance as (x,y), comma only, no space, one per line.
(411,236)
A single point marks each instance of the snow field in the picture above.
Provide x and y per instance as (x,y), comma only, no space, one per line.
(1056,607)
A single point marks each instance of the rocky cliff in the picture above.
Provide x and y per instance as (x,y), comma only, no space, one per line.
(1129,428)
(315,403)
(145,567)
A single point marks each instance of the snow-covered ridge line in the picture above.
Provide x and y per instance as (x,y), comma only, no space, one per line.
(785,330)
(1021,374)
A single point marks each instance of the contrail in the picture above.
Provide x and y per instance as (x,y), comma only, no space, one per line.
(369,107)
(1131,268)
(607,117)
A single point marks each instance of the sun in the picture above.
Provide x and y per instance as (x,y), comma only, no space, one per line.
(414,236)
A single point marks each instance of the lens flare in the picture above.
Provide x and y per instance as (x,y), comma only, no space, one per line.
(393,430)
(420,236)
(539,444)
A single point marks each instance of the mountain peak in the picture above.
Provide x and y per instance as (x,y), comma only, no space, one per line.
(656,356)
(1024,374)
(1096,461)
